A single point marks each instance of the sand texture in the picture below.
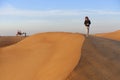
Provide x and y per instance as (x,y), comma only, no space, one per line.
(42,57)
(45,56)
(100,60)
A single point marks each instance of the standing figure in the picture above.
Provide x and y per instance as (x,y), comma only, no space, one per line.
(87,23)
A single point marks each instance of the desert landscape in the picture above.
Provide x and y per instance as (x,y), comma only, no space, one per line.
(59,40)
(60,56)
(45,56)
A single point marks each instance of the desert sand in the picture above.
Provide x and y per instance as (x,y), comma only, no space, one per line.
(111,35)
(45,56)
(100,60)
(9,40)
(42,57)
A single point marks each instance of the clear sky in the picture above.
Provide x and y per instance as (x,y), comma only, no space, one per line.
(34,16)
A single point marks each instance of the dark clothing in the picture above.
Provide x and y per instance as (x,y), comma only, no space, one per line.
(87,23)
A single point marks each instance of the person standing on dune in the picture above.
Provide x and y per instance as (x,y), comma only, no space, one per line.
(87,23)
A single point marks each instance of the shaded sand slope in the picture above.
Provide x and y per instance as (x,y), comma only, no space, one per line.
(9,40)
(100,60)
(46,56)
(112,35)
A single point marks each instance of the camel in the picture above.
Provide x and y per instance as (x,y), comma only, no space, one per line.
(19,33)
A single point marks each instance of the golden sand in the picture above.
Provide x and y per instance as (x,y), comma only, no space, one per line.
(45,56)
(112,35)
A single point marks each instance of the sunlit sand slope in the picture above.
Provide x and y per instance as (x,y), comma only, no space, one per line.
(46,56)
(113,35)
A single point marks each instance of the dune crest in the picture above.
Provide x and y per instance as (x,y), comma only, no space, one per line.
(45,56)
(112,35)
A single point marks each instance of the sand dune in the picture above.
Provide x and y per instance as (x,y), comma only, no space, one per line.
(9,40)
(100,60)
(45,56)
(112,35)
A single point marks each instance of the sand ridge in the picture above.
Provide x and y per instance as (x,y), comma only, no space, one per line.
(9,40)
(112,35)
(45,56)
(99,60)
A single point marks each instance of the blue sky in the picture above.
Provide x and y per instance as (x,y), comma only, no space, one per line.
(34,16)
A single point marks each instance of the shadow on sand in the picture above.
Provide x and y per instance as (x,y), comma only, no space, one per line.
(99,60)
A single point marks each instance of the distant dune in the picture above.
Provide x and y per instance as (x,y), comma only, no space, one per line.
(9,40)
(112,35)
(45,56)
